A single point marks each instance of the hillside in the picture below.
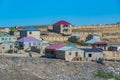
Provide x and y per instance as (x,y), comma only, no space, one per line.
(51,69)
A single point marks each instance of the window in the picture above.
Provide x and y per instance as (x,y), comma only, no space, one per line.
(90,55)
(30,32)
(2,38)
(6,38)
(76,54)
(29,44)
(9,38)
(69,53)
(3,47)
(65,26)
(21,45)
(11,46)
(34,43)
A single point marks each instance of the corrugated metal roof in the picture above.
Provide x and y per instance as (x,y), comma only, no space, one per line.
(94,34)
(77,35)
(102,42)
(93,41)
(68,48)
(27,39)
(30,29)
(92,50)
(115,45)
(62,22)
(55,46)
(65,48)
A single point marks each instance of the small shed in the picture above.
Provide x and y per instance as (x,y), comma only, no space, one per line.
(69,53)
(50,51)
(93,54)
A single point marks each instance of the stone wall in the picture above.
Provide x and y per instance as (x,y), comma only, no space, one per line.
(55,39)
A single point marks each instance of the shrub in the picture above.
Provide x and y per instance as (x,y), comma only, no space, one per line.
(10,51)
(105,75)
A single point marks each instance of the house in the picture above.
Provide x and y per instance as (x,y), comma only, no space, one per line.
(6,42)
(102,45)
(5,47)
(92,41)
(62,27)
(30,32)
(4,37)
(74,37)
(44,44)
(114,48)
(92,54)
(69,53)
(41,49)
(92,36)
(50,51)
(28,42)
(4,29)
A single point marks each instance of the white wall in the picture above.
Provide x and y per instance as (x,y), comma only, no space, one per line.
(35,34)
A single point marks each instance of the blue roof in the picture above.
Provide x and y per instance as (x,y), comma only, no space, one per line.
(30,29)
(93,41)
(92,50)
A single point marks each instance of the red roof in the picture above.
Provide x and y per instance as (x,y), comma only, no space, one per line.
(62,22)
(55,46)
(99,43)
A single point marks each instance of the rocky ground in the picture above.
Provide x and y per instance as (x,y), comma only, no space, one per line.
(52,69)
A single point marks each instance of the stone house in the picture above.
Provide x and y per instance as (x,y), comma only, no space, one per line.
(50,51)
(114,48)
(69,53)
(62,27)
(5,47)
(92,54)
(30,32)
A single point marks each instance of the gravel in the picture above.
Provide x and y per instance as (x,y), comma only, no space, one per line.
(52,69)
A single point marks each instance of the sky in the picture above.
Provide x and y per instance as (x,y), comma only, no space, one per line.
(41,12)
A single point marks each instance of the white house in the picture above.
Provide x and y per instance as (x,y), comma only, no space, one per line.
(30,32)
